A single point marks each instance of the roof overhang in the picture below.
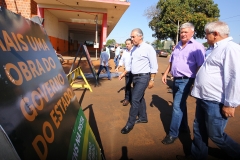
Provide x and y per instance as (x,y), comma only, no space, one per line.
(82,15)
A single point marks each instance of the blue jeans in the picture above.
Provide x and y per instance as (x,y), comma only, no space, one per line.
(116,60)
(138,107)
(106,68)
(181,89)
(128,82)
(210,122)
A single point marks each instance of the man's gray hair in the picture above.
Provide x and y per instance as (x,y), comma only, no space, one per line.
(187,25)
(218,26)
(139,31)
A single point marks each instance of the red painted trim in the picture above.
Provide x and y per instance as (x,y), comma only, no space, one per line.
(104,30)
(40,12)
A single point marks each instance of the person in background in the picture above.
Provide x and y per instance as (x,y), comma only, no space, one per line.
(185,60)
(171,77)
(117,52)
(107,49)
(125,60)
(104,63)
(143,66)
(217,90)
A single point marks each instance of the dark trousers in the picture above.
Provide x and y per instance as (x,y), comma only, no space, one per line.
(128,82)
(210,123)
(106,68)
(138,107)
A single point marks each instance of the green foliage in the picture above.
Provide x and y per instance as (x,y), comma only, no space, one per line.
(111,42)
(158,44)
(198,12)
(206,44)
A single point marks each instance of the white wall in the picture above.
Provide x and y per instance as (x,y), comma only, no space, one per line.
(53,27)
(62,31)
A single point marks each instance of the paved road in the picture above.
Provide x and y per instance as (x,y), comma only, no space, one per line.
(107,117)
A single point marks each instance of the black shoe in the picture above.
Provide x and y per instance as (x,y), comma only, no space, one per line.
(140,121)
(168,139)
(125,102)
(126,130)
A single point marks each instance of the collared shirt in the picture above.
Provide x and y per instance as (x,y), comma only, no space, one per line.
(219,77)
(104,58)
(185,61)
(143,59)
(126,58)
(108,52)
(117,51)
(208,51)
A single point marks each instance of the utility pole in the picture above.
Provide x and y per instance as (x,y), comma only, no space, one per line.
(96,38)
(177,32)
(177,29)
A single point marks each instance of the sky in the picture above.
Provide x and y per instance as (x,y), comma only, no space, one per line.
(134,18)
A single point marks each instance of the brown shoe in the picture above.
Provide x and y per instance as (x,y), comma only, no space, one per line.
(125,102)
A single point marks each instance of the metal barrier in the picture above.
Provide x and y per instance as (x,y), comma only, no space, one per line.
(72,76)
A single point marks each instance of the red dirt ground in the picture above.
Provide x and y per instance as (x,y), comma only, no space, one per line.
(107,117)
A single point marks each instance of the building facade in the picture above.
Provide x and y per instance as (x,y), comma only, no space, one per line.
(70,23)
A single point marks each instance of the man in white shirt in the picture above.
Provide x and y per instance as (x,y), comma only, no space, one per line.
(104,63)
(107,49)
(117,52)
(125,60)
(217,89)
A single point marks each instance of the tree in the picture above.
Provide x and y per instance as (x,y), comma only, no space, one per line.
(111,42)
(198,12)
(157,44)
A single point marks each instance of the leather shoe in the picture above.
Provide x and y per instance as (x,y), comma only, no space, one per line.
(125,102)
(126,130)
(168,139)
(140,121)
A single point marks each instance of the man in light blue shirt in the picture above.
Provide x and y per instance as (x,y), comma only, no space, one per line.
(104,63)
(143,66)
(217,89)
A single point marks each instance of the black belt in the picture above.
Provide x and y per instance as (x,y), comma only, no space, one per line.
(140,74)
(184,77)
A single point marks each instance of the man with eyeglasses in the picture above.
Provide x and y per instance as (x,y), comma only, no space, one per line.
(217,90)
(185,60)
(143,66)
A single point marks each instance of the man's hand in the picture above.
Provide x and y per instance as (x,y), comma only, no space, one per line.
(164,78)
(228,111)
(122,75)
(150,84)
(116,70)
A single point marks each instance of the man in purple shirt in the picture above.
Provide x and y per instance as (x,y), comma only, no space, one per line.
(185,61)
